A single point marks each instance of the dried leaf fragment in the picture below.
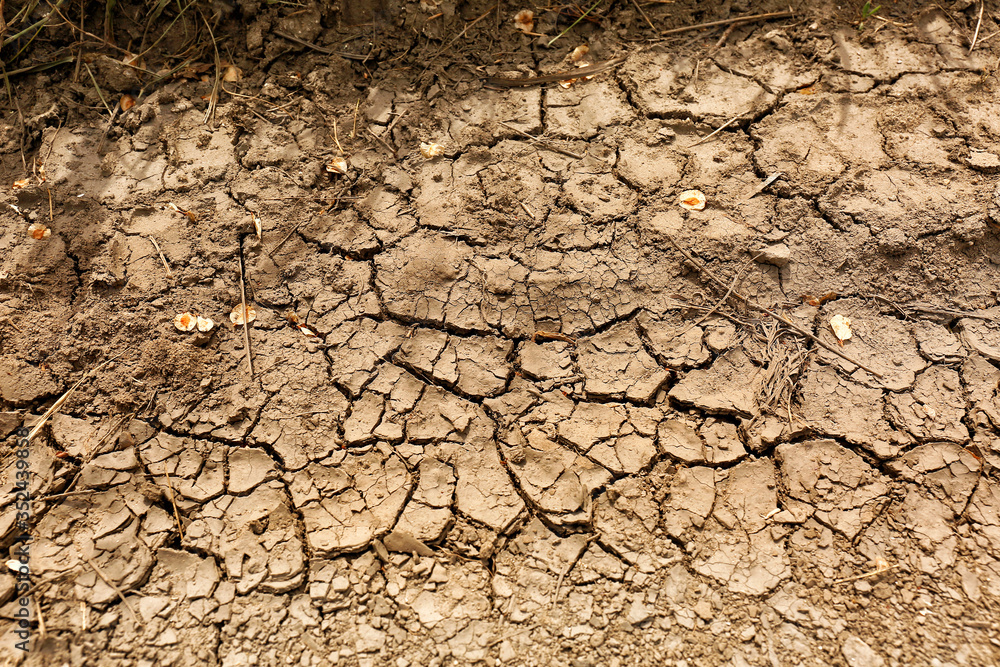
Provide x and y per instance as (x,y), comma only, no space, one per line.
(127,102)
(841,327)
(256,224)
(236,317)
(524,20)
(185,321)
(21,183)
(38,231)
(693,200)
(337,165)
(431,151)
(205,324)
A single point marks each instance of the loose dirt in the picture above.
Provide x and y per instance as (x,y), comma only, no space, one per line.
(511,404)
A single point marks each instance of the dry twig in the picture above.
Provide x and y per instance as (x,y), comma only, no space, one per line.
(756,306)
(246,314)
(170,274)
(117,590)
(738,19)
(543,142)
(979,24)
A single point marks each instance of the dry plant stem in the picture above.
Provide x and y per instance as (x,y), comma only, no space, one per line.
(720,129)
(111,122)
(336,138)
(246,315)
(641,11)
(544,143)
(117,590)
(459,36)
(873,573)
(578,73)
(170,274)
(382,141)
(213,99)
(322,49)
(173,501)
(62,399)
(756,306)
(919,308)
(720,302)
(41,618)
(552,335)
(738,19)
(979,24)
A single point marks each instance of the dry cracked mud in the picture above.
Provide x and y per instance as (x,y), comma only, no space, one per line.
(497,414)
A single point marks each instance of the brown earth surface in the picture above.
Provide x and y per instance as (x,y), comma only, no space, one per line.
(512,404)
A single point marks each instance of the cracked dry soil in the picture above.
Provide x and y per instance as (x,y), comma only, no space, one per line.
(528,432)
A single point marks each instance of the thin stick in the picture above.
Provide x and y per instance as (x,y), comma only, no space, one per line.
(464,30)
(874,572)
(173,494)
(573,24)
(756,306)
(354,129)
(721,128)
(62,399)
(651,26)
(117,590)
(382,141)
(738,19)
(99,93)
(979,24)
(246,315)
(213,99)
(543,142)
(41,619)
(336,139)
(720,302)
(578,73)
(170,274)
(322,49)
(285,238)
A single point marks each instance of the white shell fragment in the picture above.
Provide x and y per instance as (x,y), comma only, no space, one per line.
(524,20)
(692,200)
(236,317)
(38,231)
(185,321)
(431,151)
(841,327)
(205,324)
(337,165)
